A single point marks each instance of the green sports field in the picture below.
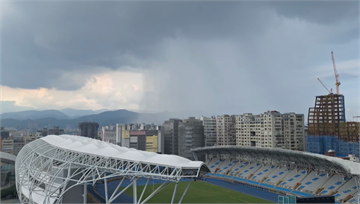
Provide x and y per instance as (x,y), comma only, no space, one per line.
(198,192)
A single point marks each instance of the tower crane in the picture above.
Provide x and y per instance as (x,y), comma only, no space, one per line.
(336,74)
(330,91)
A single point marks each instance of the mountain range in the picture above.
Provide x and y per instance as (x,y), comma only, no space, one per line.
(70,118)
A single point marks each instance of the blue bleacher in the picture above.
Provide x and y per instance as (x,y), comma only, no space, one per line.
(252,182)
(239,179)
(282,189)
(266,185)
(301,193)
(353,200)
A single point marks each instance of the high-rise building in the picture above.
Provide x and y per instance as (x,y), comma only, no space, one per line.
(327,114)
(328,129)
(161,140)
(108,134)
(170,132)
(89,129)
(191,135)
(54,131)
(271,130)
(209,124)
(5,134)
(225,130)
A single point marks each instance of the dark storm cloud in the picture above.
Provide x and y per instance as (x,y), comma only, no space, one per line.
(55,37)
(43,41)
(319,12)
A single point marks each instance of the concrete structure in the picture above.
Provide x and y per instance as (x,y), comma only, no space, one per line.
(271,130)
(289,172)
(137,139)
(328,130)
(89,129)
(171,138)
(145,140)
(151,143)
(209,124)
(324,118)
(19,133)
(58,169)
(13,145)
(140,126)
(108,135)
(52,131)
(161,140)
(7,169)
(225,130)
(118,134)
(5,134)
(191,135)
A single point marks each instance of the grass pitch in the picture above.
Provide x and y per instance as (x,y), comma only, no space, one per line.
(198,192)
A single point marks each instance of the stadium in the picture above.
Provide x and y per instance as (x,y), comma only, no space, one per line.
(285,172)
(60,169)
(74,169)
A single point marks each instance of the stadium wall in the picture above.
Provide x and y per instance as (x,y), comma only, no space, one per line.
(322,144)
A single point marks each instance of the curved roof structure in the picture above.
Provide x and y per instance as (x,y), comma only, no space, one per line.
(100,148)
(7,158)
(287,157)
(46,167)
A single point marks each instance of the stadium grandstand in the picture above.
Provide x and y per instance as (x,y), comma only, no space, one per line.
(60,169)
(285,172)
(7,170)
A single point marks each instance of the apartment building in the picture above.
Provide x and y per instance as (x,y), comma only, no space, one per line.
(89,129)
(225,130)
(191,135)
(108,134)
(209,124)
(271,130)
(15,144)
(170,133)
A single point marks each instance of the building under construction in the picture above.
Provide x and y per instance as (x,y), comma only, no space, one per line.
(328,129)
(327,126)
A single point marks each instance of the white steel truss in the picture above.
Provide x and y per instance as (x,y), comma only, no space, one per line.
(44,173)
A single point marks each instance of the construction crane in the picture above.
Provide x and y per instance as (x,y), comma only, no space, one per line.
(330,91)
(336,74)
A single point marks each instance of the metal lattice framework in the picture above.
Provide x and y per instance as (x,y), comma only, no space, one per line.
(45,171)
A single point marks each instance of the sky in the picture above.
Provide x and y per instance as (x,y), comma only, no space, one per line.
(197,58)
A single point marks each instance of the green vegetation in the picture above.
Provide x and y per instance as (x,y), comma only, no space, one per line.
(198,192)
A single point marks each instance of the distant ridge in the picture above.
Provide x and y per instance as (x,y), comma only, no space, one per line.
(104,118)
(34,114)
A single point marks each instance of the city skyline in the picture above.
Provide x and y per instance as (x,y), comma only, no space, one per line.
(203,58)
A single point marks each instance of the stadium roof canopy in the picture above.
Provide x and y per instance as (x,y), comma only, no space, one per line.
(286,157)
(7,158)
(82,160)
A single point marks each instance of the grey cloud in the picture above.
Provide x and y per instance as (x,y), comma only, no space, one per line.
(208,57)
(10,106)
(320,12)
(56,37)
